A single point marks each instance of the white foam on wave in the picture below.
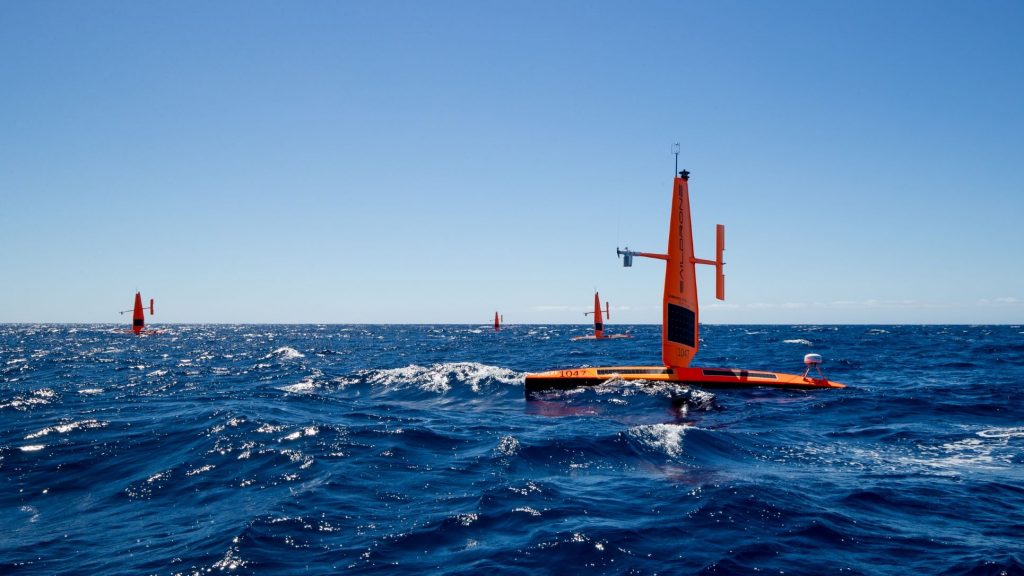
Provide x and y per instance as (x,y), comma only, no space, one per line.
(437,377)
(231,561)
(695,397)
(285,353)
(987,449)
(508,446)
(305,386)
(803,341)
(618,386)
(967,453)
(39,397)
(200,470)
(467,519)
(308,431)
(666,438)
(527,510)
(32,447)
(1015,432)
(66,427)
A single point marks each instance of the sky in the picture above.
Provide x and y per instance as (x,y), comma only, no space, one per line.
(432,162)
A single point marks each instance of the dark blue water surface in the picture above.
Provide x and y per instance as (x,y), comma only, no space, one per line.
(413,450)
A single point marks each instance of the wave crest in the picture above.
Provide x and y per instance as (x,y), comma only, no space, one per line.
(285,353)
(437,378)
(665,438)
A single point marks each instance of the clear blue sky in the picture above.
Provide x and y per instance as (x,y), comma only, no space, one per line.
(349,162)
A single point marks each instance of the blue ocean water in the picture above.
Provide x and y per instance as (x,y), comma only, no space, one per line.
(315,449)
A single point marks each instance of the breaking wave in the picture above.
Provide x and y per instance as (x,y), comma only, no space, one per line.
(438,378)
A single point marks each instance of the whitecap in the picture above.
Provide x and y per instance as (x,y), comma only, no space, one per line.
(66,427)
(230,562)
(200,470)
(527,510)
(507,446)
(667,438)
(285,353)
(308,431)
(303,387)
(798,341)
(306,385)
(36,397)
(467,519)
(695,397)
(1015,432)
(439,377)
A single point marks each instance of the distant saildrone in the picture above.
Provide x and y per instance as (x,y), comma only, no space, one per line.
(599,322)
(139,316)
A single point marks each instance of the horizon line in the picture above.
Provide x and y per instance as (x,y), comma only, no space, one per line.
(1011,324)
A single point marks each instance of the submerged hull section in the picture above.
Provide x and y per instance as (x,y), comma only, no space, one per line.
(706,377)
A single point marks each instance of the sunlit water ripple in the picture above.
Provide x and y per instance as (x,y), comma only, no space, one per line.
(412,449)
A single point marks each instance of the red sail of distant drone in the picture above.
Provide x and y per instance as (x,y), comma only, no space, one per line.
(138,315)
(598,322)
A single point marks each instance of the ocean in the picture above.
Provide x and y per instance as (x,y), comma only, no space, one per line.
(318,449)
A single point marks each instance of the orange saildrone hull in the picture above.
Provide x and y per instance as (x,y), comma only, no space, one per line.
(705,377)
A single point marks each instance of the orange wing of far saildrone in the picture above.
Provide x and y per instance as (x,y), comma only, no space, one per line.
(598,321)
(139,313)
(138,316)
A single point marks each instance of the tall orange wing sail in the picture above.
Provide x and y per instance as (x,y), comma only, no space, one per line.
(138,317)
(679,335)
(497,323)
(598,321)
